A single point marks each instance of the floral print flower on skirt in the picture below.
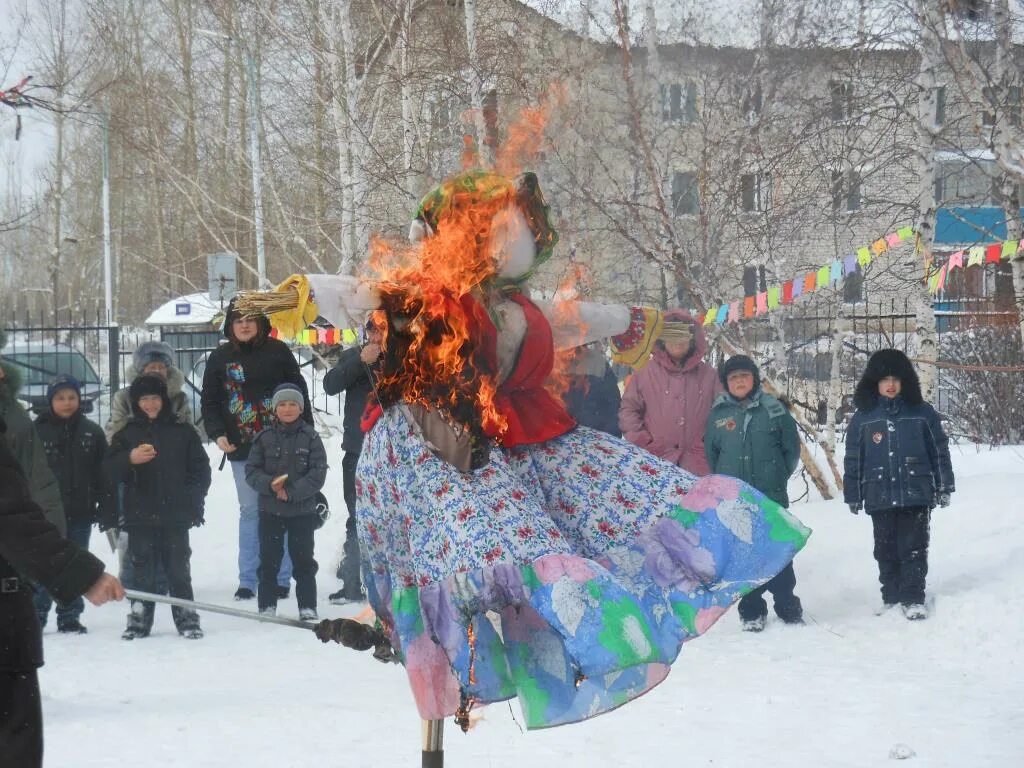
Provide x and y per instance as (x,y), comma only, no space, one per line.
(567,573)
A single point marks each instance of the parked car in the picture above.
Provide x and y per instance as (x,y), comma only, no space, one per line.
(40,362)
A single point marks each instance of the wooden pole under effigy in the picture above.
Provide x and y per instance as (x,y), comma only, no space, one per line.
(433,744)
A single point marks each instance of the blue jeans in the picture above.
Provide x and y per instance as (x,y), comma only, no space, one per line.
(249,534)
(78,532)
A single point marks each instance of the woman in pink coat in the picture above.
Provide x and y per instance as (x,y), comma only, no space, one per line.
(666,404)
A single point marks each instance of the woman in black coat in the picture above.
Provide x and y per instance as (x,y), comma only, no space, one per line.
(32,548)
(238,384)
(897,466)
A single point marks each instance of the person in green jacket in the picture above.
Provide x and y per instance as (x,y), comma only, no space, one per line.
(751,435)
(26,446)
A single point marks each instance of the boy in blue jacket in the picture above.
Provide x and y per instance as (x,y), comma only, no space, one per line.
(898,468)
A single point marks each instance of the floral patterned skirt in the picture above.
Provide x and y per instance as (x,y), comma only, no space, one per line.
(567,573)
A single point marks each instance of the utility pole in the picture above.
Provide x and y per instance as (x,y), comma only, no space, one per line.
(108,281)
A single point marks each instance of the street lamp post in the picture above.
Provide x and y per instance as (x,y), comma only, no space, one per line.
(253,99)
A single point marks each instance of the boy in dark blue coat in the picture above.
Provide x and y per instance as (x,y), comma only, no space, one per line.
(75,448)
(287,467)
(898,468)
(166,474)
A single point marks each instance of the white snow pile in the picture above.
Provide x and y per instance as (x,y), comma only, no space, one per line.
(848,689)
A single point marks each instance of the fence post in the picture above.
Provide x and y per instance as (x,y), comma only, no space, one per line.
(114,357)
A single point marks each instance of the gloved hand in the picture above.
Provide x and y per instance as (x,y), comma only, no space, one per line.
(943,499)
(196,522)
(854,508)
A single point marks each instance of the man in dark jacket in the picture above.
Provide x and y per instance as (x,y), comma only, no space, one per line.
(352,375)
(166,474)
(75,448)
(240,379)
(593,396)
(24,444)
(898,467)
(751,435)
(32,548)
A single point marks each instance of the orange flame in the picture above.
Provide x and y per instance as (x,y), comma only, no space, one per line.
(424,285)
(577,280)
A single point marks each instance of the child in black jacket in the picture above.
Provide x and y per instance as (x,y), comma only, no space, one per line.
(287,466)
(166,474)
(75,448)
(898,467)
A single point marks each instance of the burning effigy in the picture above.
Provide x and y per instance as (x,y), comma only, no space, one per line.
(508,552)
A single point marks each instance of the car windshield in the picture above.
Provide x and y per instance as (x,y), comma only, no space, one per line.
(42,366)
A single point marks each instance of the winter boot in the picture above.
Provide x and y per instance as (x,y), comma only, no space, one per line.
(915,611)
(244,593)
(308,614)
(192,633)
(71,627)
(884,608)
(270,610)
(346,596)
(755,624)
(133,633)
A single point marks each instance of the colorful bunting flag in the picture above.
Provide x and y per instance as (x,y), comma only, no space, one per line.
(956,260)
(762,302)
(975,256)
(773,297)
(748,306)
(823,275)
(942,277)
(734,312)
(893,239)
(810,282)
(850,264)
(798,288)
(905,233)
(879,246)
(993,253)
(723,313)
(863,256)
(787,292)
(709,318)
(836,273)
(1009,249)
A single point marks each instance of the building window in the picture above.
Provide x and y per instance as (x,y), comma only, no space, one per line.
(988,106)
(685,196)
(846,191)
(940,105)
(966,182)
(756,191)
(853,287)
(969,10)
(754,280)
(753,101)
(679,103)
(842,100)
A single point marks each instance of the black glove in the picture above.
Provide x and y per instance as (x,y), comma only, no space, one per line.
(350,633)
(854,508)
(943,499)
(198,522)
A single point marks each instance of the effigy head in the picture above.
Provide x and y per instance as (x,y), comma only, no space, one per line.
(507,217)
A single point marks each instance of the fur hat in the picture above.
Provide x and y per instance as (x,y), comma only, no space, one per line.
(288,393)
(62,382)
(153,352)
(887,362)
(738,363)
(147,384)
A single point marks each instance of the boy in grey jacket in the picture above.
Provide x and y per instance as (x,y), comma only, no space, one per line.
(287,466)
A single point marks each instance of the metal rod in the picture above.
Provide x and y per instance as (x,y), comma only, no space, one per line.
(433,744)
(133,594)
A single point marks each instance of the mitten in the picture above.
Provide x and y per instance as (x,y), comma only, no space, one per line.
(855,508)
(943,499)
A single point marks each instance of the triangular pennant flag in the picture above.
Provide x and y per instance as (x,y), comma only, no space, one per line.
(879,247)
(933,283)
(863,256)
(850,264)
(787,292)
(1009,249)
(810,282)
(836,272)
(893,239)
(734,311)
(992,253)
(723,313)
(748,306)
(773,297)
(905,232)
(942,277)
(975,256)
(956,259)
(709,318)
(823,275)
(762,302)
(348,336)
(798,287)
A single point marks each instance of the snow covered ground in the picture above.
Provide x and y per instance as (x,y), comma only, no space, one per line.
(845,690)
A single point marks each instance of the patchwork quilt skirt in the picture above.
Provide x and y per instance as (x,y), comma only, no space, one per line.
(567,573)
